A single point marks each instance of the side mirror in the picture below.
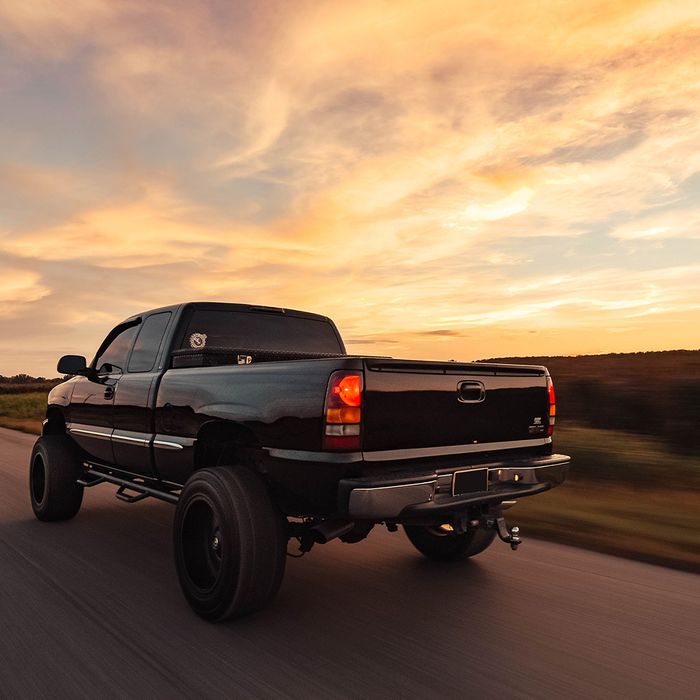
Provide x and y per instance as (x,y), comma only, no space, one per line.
(72,364)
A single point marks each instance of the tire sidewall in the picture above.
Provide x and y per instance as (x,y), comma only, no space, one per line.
(233,575)
(448,547)
(62,496)
(39,451)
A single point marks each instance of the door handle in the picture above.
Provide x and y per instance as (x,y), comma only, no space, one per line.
(109,393)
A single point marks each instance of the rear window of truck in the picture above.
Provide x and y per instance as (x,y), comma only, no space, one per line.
(258,331)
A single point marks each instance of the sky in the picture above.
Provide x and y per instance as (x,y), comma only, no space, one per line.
(446,180)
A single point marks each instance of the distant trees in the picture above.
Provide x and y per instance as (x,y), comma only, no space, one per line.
(25,383)
(649,393)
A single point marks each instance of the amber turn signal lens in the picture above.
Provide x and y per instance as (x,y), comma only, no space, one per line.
(343,415)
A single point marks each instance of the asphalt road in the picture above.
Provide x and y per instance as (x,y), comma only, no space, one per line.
(91,608)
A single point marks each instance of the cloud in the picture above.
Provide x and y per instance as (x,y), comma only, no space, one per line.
(504,208)
(19,287)
(446,332)
(439,180)
(47,28)
(680,223)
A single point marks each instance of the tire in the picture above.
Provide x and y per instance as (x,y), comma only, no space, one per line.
(54,468)
(440,545)
(230,543)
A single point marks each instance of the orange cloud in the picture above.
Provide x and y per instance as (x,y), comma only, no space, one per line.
(404,167)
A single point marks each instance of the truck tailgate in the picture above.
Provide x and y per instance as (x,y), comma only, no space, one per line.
(410,405)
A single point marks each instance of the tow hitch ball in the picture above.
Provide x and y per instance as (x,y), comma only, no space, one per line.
(512,537)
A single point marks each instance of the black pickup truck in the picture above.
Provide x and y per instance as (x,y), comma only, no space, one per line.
(260,429)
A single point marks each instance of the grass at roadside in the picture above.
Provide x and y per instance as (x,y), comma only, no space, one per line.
(655,525)
(625,458)
(627,494)
(23,411)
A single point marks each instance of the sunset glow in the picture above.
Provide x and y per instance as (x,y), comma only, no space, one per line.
(445,180)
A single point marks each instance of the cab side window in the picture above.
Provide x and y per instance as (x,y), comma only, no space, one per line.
(113,358)
(143,356)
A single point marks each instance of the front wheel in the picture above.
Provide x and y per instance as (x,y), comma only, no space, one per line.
(441,543)
(230,543)
(54,469)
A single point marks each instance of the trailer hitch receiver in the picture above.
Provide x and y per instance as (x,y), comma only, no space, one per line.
(511,537)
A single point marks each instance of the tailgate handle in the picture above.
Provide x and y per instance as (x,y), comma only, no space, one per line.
(470,392)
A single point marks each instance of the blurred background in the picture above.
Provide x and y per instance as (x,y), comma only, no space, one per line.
(494,182)
(467,180)
(629,422)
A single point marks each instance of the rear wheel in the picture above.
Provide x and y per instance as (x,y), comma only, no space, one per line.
(441,543)
(230,543)
(54,469)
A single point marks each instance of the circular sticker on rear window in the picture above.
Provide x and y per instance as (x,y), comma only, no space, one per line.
(198,340)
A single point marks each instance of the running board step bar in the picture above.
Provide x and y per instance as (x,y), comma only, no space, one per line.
(95,476)
(90,479)
(122,495)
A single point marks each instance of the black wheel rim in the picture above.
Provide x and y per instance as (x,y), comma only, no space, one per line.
(38,479)
(202,544)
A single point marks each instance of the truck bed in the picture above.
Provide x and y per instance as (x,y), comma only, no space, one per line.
(413,411)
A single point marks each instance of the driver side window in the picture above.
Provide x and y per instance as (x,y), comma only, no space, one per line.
(113,357)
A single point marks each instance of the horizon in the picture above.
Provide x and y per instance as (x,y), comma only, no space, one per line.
(50,378)
(490,183)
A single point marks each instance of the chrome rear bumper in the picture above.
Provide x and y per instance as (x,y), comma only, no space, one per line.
(407,495)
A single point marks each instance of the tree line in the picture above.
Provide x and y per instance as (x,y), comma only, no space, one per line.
(25,383)
(650,393)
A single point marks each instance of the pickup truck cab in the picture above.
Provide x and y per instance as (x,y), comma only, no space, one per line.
(260,428)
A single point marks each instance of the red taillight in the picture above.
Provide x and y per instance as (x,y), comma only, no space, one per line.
(349,389)
(552,405)
(342,412)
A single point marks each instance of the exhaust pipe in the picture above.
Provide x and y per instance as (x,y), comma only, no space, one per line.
(328,530)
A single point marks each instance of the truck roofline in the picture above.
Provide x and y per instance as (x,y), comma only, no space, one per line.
(232,306)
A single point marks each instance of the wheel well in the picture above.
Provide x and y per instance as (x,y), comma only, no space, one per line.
(55,422)
(222,442)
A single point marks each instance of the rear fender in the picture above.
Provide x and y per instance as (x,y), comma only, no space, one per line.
(226,442)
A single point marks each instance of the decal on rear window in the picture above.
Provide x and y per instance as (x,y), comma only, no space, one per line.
(198,340)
